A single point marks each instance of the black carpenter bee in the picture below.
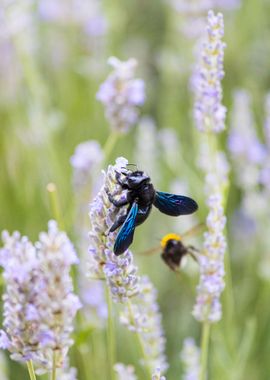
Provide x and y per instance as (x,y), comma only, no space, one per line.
(140,197)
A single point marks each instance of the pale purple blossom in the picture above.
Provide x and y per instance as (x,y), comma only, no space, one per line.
(39,303)
(209,113)
(86,162)
(211,262)
(190,356)
(122,94)
(142,316)
(81,13)
(125,372)
(119,271)
(157,375)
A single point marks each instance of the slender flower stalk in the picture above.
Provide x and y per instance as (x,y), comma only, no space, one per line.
(121,95)
(39,305)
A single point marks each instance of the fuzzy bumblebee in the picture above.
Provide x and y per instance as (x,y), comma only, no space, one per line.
(173,250)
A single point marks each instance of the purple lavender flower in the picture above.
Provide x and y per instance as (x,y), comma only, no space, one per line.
(142,316)
(157,375)
(209,113)
(119,272)
(190,356)
(85,14)
(122,94)
(39,304)
(208,307)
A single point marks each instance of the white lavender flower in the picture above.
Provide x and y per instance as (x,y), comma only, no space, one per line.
(209,113)
(157,375)
(190,356)
(125,372)
(39,304)
(119,271)
(142,316)
(122,94)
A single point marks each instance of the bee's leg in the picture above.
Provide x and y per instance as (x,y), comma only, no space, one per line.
(120,182)
(168,262)
(118,222)
(193,252)
(124,200)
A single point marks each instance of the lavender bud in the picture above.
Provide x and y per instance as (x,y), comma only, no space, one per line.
(209,113)
(122,94)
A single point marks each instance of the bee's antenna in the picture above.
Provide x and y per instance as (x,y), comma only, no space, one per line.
(135,165)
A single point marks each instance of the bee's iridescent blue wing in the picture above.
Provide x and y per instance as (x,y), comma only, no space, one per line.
(125,235)
(174,205)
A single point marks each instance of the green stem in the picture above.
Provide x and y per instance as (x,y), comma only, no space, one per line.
(204,350)
(55,204)
(53,377)
(31,370)
(109,144)
(110,335)
(140,343)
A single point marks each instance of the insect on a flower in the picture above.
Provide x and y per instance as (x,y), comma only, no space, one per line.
(140,195)
(174,249)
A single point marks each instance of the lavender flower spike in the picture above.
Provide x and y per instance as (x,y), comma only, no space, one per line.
(39,304)
(209,113)
(144,318)
(119,271)
(208,307)
(122,94)
(190,356)
(157,375)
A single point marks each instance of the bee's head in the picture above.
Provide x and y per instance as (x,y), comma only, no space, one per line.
(136,179)
(169,238)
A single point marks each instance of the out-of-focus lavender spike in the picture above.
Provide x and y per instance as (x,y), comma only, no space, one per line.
(157,375)
(82,13)
(119,271)
(39,304)
(209,113)
(243,141)
(190,357)
(122,94)
(146,154)
(125,372)
(86,162)
(143,317)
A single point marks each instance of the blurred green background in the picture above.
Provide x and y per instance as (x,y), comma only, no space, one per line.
(50,72)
